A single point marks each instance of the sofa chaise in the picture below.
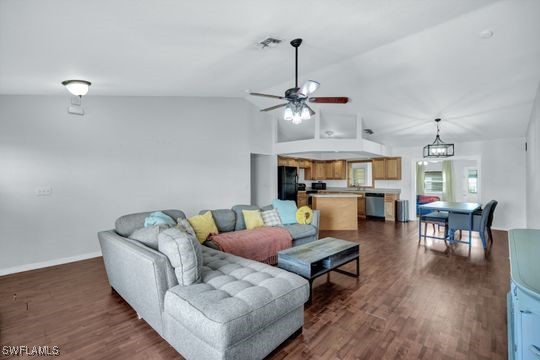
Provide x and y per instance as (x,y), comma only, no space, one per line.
(241,309)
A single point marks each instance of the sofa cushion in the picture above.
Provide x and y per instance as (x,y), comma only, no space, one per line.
(240,224)
(225,219)
(184,253)
(127,224)
(300,230)
(148,235)
(237,298)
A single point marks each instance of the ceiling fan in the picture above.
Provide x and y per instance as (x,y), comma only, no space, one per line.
(296,107)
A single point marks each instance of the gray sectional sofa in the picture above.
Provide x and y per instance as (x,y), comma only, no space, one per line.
(233,220)
(241,309)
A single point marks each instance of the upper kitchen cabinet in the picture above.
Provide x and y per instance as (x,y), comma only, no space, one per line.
(339,170)
(300,163)
(393,168)
(379,172)
(387,168)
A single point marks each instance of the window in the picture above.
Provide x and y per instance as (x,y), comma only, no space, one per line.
(472,181)
(358,176)
(433,182)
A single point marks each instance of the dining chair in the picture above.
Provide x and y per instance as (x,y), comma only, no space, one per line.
(482,220)
(439,218)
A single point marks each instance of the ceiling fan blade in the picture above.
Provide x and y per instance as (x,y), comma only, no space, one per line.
(329,100)
(274,107)
(311,111)
(266,95)
(308,88)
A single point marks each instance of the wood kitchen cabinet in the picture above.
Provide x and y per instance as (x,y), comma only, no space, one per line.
(361,206)
(393,168)
(301,198)
(386,168)
(305,164)
(378,169)
(320,170)
(339,170)
(316,171)
(390,206)
(299,163)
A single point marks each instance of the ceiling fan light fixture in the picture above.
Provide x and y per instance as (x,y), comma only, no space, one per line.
(77,87)
(297,118)
(309,87)
(305,115)
(288,113)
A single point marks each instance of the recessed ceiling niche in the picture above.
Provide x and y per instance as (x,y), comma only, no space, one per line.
(338,126)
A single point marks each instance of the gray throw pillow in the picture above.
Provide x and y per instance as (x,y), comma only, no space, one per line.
(185,254)
(184,226)
(148,235)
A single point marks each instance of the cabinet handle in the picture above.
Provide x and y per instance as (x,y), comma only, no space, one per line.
(535,350)
(525,311)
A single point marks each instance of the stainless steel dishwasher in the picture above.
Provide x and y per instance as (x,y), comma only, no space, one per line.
(375,205)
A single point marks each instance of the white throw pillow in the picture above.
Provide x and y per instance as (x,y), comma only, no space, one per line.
(271,217)
(185,254)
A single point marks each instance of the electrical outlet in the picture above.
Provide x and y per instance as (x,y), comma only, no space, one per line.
(43,190)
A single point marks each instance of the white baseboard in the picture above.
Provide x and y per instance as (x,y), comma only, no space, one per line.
(44,264)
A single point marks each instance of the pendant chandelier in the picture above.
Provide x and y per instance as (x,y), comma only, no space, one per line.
(438,148)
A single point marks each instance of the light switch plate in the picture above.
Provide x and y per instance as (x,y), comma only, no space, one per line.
(45,190)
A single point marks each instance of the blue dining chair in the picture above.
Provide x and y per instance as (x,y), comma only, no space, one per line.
(482,221)
(439,218)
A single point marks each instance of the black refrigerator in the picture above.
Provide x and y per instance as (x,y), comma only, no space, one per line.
(287,182)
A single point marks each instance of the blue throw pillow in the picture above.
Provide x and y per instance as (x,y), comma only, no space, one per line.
(158,218)
(287,210)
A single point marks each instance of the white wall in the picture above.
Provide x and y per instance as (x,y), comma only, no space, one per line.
(263,179)
(533,166)
(502,169)
(127,154)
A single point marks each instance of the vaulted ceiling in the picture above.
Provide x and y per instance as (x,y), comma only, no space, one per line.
(403,62)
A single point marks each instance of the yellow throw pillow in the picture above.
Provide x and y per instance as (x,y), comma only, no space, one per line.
(304,215)
(203,225)
(253,219)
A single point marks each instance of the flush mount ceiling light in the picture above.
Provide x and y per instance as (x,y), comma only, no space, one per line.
(438,148)
(486,34)
(77,87)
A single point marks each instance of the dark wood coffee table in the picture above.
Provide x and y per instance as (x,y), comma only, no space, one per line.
(319,257)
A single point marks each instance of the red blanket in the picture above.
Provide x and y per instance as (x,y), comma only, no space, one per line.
(260,244)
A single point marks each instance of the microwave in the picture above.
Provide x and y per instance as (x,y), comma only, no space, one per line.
(318,186)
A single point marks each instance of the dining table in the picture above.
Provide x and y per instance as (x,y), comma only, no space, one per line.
(453,208)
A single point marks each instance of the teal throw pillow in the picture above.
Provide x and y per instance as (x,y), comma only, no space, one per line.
(287,210)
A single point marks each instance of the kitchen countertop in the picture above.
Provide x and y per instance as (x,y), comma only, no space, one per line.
(334,195)
(363,190)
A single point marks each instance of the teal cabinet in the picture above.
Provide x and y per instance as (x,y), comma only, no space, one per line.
(524,296)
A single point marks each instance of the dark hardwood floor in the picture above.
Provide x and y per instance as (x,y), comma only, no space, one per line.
(410,302)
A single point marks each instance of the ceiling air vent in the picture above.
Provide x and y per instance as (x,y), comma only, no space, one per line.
(269,42)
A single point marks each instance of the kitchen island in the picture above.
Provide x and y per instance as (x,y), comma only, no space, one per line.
(338,211)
